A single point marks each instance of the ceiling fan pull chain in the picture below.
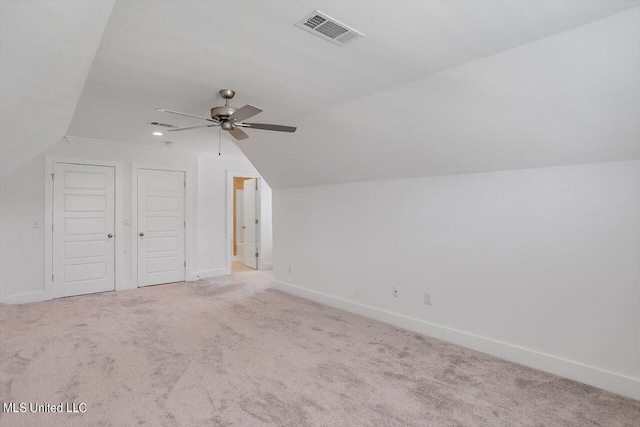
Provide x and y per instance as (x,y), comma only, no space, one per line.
(219,141)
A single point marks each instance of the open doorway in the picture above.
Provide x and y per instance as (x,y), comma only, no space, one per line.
(249,223)
(237,255)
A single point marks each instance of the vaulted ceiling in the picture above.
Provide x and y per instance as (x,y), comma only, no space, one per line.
(435,87)
(46,52)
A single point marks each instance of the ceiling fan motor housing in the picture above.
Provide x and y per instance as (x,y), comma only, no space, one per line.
(221,114)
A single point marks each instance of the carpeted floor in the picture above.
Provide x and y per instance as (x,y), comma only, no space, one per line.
(232,352)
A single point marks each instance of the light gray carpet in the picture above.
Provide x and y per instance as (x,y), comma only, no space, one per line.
(233,352)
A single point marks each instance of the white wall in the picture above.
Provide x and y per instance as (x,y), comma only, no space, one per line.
(21,246)
(539,266)
(22,200)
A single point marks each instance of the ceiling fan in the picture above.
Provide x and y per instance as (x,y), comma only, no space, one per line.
(230,119)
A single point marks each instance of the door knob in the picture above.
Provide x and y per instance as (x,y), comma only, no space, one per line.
(109,235)
(141,234)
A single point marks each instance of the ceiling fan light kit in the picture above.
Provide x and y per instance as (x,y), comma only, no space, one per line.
(230,119)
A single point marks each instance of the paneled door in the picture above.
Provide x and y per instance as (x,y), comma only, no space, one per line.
(240,224)
(83,229)
(250,223)
(161,227)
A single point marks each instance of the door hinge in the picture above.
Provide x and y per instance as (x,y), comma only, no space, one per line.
(52,277)
(52,176)
(185,223)
(256,221)
(256,254)
(185,263)
(51,227)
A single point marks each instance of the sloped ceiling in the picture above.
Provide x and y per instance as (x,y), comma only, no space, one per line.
(573,98)
(413,98)
(46,51)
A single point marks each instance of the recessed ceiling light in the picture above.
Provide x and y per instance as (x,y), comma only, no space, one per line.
(158,133)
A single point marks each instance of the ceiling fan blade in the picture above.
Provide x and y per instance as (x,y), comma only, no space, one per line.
(263,126)
(238,133)
(244,113)
(190,127)
(185,114)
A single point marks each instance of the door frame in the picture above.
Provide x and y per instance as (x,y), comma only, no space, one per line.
(190,238)
(48,218)
(230,176)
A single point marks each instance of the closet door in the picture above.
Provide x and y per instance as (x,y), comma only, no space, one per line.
(83,229)
(161,227)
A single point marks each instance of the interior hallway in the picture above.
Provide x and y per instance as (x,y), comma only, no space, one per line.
(231,351)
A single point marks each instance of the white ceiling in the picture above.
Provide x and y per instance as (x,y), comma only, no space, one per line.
(569,99)
(46,51)
(177,55)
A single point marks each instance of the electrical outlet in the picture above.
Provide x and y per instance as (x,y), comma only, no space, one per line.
(395,291)
(427,298)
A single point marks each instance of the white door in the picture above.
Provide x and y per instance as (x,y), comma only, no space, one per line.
(83,229)
(240,224)
(161,227)
(250,223)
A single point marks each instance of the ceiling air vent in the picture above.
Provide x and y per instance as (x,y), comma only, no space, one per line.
(164,125)
(329,29)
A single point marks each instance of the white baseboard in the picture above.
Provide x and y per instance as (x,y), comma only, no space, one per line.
(126,286)
(266,266)
(216,272)
(607,380)
(26,298)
